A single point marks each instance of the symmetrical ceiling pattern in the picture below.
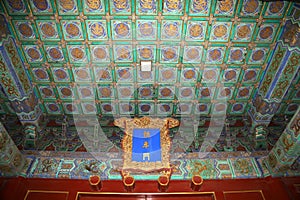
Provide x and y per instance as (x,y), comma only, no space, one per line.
(83,57)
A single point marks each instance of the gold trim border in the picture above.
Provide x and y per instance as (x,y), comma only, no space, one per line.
(244,191)
(46,191)
(156,193)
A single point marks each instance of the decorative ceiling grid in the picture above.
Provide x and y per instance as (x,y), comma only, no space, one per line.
(83,56)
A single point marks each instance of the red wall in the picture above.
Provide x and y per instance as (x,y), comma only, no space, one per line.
(66,189)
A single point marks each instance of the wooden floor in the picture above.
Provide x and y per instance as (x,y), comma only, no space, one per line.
(67,189)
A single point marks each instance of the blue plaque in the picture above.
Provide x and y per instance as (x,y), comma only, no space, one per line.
(146,145)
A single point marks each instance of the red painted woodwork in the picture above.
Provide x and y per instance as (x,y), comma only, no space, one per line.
(196,183)
(46,195)
(129,183)
(231,189)
(292,186)
(129,180)
(250,195)
(95,183)
(163,180)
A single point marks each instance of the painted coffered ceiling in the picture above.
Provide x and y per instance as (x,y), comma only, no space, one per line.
(83,57)
(236,59)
